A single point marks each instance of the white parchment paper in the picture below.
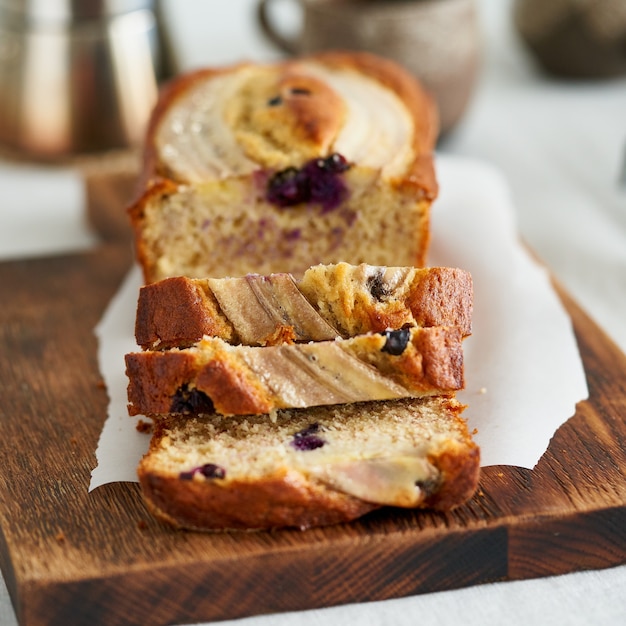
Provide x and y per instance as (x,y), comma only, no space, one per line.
(523,371)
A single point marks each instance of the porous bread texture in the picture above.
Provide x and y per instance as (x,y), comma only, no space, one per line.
(410,453)
(227,228)
(329,301)
(239,380)
(218,137)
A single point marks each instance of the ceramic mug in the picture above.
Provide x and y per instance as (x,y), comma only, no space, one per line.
(437,40)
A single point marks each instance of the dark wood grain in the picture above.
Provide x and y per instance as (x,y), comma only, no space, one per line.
(70,557)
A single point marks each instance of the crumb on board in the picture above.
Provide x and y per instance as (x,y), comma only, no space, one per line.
(144,427)
(101,384)
(60,536)
(142,524)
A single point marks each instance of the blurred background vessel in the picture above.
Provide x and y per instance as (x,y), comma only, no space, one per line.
(439,41)
(79,75)
(580,39)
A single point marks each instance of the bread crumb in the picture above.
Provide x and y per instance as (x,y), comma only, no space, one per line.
(482,390)
(142,524)
(101,384)
(144,427)
(60,536)
(73,441)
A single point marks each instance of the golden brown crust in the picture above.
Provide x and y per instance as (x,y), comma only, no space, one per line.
(283,501)
(461,471)
(156,381)
(232,390)
(441,373)
(283,334)
(176,312)
(154,188)
(444,297)
(160,382)
(459,464)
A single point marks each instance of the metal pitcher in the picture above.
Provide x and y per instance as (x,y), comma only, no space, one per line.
(79,76)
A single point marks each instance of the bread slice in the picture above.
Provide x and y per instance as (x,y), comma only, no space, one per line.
(335,300)
(240,380)
(309,467)
(276,167)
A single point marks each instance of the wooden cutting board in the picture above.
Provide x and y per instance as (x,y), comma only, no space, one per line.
(71,557)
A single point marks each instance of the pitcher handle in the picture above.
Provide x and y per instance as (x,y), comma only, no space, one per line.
(286,44)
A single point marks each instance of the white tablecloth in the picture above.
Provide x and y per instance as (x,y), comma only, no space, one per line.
(562,148)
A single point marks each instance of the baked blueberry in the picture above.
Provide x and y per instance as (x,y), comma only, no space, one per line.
(286,188)
(208,470)
(318,181)
(192,401)
(376,286)
(429,485)
(335,163)
(307,438)
(397,341)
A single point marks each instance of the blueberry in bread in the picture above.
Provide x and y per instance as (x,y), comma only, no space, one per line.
(309,467)
(265,168)
(329,301)
(240,380)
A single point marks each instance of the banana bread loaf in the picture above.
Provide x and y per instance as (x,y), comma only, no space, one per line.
(309,467)
(330,301)
(265,168)
(240,380)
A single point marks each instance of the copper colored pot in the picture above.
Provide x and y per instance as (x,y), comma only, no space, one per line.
(78,75)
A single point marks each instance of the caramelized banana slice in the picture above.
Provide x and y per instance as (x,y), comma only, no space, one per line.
(265,310)
(241,380)
(404,481)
